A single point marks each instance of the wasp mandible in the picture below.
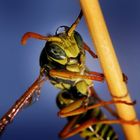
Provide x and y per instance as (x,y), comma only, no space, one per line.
(62,62)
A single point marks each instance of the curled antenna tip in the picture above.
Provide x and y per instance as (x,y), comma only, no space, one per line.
(24,38)
(23,42)
(38,36)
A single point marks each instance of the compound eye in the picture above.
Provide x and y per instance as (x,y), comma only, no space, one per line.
(55,52)
(78,39)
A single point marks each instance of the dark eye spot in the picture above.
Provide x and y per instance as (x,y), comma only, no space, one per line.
(55,52)
(78,39)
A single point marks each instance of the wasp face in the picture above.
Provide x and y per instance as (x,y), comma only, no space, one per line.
(66,54)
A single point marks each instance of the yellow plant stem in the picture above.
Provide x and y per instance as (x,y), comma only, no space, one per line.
(109,63)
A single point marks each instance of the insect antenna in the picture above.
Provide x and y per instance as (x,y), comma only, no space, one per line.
(74,25)
(38,36)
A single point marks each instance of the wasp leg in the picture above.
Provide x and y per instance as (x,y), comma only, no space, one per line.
(82,105)
(72,107)
(72,75)
(93,121)
(80,110)
(10,115)
(90,51)
(34,98)
(108,108)
(68,126)
(73,127)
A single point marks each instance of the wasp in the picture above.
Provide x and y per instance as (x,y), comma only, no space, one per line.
(62,62)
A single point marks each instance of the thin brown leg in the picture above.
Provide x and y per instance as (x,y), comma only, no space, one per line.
(90,51)
(65,113)
(72,128)
(95,73)
(82,105)
(93,121)
(10,115)
(108,108)
(71,107)
(72,75)
(68,126)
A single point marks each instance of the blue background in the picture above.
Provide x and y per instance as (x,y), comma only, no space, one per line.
(19,65)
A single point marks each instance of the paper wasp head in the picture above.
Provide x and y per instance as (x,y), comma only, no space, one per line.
(65,52)
(63,48)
